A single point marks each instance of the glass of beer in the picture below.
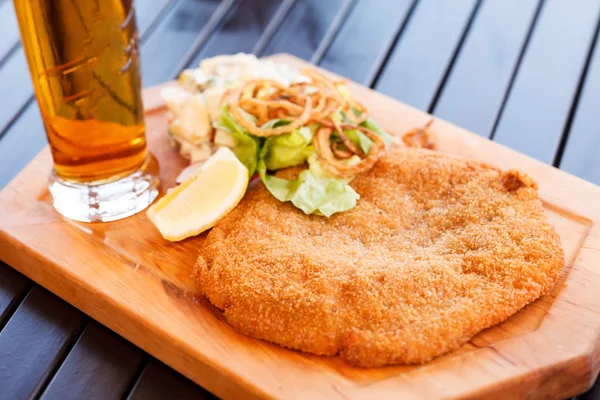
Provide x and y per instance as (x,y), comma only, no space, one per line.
(84,64)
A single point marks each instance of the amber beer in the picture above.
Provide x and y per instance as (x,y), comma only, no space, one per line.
(84,64)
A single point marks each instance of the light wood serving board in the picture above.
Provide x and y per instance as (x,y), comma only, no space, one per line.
(127,277)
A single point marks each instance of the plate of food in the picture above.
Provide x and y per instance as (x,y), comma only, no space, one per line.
(317,239)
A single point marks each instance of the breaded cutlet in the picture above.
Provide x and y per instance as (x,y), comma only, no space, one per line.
(437,249)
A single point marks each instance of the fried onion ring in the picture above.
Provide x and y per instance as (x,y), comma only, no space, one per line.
(318,101)
(339,152)
(253,106)
(339,169)
(322,81)
(347,142)
(233,102)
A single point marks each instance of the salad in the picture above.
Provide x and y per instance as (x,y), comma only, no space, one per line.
(274,117)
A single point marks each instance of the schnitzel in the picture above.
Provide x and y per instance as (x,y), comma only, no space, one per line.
(437,249)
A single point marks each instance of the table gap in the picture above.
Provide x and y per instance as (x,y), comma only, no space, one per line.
(101,365)
(66,350)
(138,375)
(242,29)
(452,61)
(516,68)
(4,59)
(371,81)
(4,129)
(301,37)
(52,325)
(10,30)
(13,295)
(151,26)
(575,102)
(332,31)
(580,156)
(371,29)
(421,56)
(18,83)
(546,82)
(218,18)
(158,381)
(273,26)
(476,85)
(384,60)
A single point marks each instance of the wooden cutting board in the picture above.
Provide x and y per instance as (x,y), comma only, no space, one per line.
(127,277)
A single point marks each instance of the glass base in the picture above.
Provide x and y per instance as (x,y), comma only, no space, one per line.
(105,202)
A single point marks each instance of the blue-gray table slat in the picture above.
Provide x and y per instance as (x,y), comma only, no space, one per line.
(14,79)
(172,38)
(360,47)
(25,138)
(148,12)
(241,30)
(539,102)
(475,89)
(101,365)
(581,156)
(34,341)
(420,59)
(304,27)
(9,28)
(159,382)
(12,285)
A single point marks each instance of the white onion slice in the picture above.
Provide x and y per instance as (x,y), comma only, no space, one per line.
(253,181)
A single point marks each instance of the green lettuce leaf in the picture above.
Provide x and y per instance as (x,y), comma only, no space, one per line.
(317,170)
(359,139)
(275,123)
(246,146)
(287,150)
(324,196)
(314,191)
(370,124)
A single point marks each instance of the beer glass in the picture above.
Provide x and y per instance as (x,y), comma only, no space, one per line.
(84,63)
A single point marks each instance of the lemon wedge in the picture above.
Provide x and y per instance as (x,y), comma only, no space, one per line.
(203,199)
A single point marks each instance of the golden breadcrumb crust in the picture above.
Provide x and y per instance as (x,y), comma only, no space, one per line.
(437,249)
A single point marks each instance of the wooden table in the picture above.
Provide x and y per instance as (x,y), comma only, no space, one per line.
(524,73)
